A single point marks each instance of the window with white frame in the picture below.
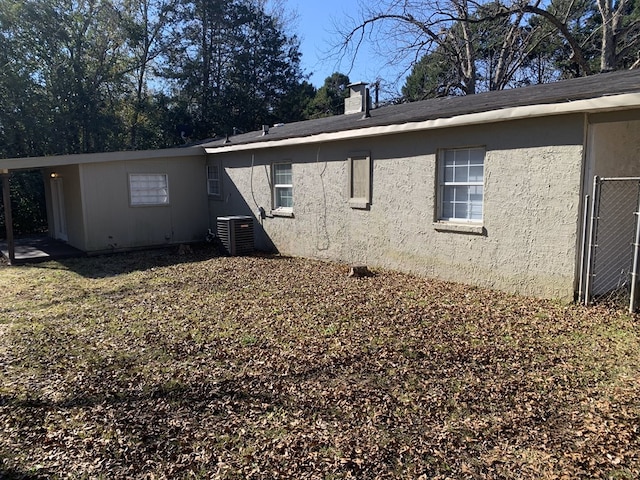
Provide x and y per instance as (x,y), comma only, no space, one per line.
(461,191)
(214,181)
(282,187)
(359,171)
(148,189)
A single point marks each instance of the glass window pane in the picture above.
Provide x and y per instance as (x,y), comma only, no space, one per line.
(213,180)
(476,212)
(475,194)
(476,156)
(460,210)
(447,210)
(151,189)
(462,157)
(461,174)
(448,174)
(475,173)
(449,157)
(464,167)
(449,194)
(214,187)
(461,193)
(283,174)
(284,197)
(213,172)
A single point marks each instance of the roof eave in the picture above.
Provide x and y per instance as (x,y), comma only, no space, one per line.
(75,159)
(592,105)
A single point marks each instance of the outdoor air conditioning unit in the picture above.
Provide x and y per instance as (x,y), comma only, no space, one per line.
(236,234)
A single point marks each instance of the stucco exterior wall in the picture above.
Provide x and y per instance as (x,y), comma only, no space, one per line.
(531,204)
(113,224)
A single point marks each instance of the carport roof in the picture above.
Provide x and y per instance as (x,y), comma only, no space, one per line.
(83,158)
(559,97)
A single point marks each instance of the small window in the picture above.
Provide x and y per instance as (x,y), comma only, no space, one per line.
(282,187)
(359,172)
(461,191)
(149,189)
(214,181)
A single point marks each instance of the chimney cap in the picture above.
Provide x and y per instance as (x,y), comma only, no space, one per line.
(358,100)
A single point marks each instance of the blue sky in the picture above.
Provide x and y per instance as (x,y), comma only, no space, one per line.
(314,25)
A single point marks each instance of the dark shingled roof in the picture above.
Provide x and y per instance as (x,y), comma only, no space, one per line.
(594,86)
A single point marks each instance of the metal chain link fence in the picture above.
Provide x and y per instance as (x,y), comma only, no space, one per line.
(612,239)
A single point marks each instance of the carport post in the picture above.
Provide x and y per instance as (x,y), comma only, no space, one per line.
(8,217)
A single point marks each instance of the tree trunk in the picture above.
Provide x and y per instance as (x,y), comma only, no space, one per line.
(608,47)
(611,28)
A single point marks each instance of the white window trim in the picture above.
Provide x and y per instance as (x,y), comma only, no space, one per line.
(215,196)
(359,202)
(132,193)
(457,224)
(279,211)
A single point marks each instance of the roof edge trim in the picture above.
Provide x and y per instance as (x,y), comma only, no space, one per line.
(591,105)
(81,158)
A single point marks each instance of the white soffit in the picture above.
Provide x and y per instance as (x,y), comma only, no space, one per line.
(591,105)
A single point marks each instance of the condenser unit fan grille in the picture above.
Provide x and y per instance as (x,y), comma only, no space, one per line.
(236,234)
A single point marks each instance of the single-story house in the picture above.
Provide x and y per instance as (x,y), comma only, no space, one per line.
(489,189)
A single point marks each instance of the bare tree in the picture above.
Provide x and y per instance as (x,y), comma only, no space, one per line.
(407,30)
(620,33)
(285,17)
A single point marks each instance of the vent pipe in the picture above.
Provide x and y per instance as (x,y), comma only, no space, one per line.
(367,105)
(377,85)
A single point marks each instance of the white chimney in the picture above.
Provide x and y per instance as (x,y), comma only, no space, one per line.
(357,100)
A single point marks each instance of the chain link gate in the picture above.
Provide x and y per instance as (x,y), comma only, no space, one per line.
(611,242)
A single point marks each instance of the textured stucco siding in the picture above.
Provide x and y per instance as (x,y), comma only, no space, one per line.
(531,204)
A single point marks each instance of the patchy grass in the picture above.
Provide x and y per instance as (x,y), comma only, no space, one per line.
(135,366)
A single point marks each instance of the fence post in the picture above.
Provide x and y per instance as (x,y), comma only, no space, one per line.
(636,260)
(595,207)
(583,247)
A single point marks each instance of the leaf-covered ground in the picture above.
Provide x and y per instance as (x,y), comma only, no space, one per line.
(151,365)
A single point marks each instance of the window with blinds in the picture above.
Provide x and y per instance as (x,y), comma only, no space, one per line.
(148,189)
(461,185)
